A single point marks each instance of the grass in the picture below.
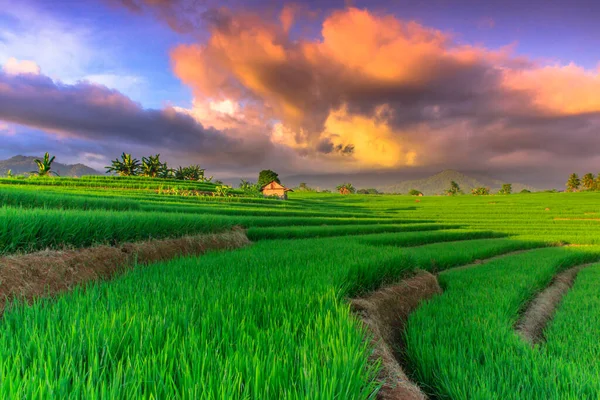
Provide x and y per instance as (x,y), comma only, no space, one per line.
(25,230)
(273,320)
(292,232)
(221,326)
(462,343)
(573,333)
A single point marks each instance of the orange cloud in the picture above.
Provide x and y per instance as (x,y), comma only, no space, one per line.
(380,92)
(566,89)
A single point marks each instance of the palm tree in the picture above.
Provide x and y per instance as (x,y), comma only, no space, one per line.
(193,173)
(127,166)
(165,172)
(179,173)
(44,166)
(588,181)
(573,183)
(346,188)
(152,166)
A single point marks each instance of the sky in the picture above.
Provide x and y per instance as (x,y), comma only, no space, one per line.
(506,88)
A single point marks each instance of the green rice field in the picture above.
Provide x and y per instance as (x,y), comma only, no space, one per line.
(273,320)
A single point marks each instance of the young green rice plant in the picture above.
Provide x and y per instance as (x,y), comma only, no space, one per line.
(326,231)
(421,238)
(462,344)
(572,335)
(267,321)
(24,230)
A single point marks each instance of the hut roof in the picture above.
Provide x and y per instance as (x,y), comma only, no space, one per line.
(275,185)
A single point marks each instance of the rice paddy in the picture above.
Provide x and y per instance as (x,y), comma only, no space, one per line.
(273,320)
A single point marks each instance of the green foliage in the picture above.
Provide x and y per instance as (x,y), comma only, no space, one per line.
(346,188)
(525,191)
(9,174)
(480,191)
(303,187)
(152,167)
(507,189)
(267,176)
(588,181)
(454,189)
(368,191)
(126,166)
(415,192)
(250,189)
(574,183)
(44,166)
(222,190)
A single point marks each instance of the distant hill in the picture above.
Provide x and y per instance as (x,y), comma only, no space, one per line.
(24,164)
(438,183)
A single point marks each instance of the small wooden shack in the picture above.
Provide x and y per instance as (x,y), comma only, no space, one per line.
(275,189)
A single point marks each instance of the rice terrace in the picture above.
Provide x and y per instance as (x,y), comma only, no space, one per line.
(320,296)
(299,200)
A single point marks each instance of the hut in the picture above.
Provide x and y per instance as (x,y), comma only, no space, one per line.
(274,188)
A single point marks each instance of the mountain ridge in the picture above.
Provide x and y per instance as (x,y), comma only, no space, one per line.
(24,164)
(438,183)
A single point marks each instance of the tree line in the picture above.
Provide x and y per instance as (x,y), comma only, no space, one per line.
(587,182)
(153,167)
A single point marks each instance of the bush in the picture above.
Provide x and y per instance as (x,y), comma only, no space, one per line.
(480,191)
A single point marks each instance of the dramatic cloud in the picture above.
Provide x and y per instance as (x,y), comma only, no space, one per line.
(365,91)
(377,92)
(96,113)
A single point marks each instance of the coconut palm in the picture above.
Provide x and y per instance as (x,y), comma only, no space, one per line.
(588,181)
(44,166)
(193,173)
(573,183)
(179,173)
(126,166)
(166,172)
(152,166)
(346,188)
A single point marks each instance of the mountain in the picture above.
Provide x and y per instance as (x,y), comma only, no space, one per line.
(23,164)
(438,183)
